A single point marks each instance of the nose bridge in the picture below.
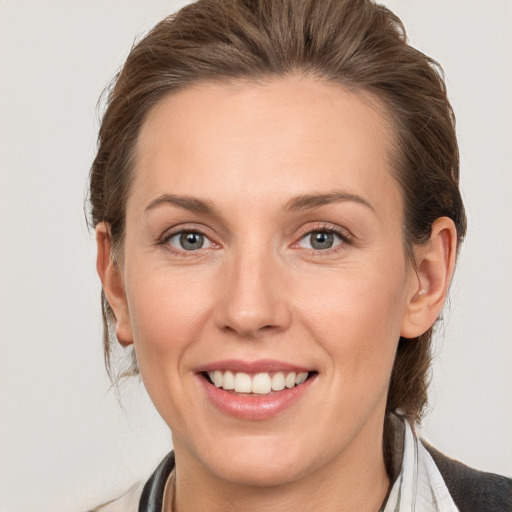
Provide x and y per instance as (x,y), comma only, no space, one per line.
(253,297)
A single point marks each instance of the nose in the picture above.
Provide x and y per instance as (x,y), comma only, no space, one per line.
(254,296)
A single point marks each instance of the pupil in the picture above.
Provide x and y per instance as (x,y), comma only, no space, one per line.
(322,240)
(191,241)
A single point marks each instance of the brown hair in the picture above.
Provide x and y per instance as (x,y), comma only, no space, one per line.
(355,43)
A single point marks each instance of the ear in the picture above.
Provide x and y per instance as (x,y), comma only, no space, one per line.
(435,262)
(111,277)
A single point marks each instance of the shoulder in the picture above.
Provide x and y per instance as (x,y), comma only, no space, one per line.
(473,490)
(128,502)
(143,496)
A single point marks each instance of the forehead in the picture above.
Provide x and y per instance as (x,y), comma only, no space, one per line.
(254,141)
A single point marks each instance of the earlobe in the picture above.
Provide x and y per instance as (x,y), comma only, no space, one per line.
(435,263)
(113,285)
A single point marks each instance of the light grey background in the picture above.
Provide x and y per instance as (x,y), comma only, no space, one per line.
(65,444)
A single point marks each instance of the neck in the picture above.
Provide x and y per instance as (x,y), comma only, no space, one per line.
(355,480)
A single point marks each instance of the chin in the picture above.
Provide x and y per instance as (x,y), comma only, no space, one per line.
(244,471)
(258,462)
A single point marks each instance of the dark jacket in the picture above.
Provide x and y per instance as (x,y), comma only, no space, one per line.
(473,490)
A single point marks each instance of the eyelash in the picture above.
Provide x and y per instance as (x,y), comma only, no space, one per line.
(344,235)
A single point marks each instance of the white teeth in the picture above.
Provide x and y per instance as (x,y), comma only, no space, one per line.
(228,381)
(217,378)
(278,381)
(289,381)
(243,383)
(301,377)
(260,384)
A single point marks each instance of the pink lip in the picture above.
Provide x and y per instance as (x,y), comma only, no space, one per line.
(253,407)
(252,367)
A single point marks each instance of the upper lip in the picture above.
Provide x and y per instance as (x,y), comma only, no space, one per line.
(252,367)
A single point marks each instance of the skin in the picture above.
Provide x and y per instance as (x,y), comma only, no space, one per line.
(258,290)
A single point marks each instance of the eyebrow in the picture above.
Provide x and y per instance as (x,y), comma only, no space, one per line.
(192,204)
(301,202)
(310,201)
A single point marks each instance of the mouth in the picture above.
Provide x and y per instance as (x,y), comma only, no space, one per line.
(262,383)
(255,390)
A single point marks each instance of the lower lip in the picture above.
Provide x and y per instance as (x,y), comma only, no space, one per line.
(254,407)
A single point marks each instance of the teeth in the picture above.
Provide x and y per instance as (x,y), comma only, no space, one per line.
(217,378)
(289,381)
(228,381)
(260,384)
(301,377)
(243,383)
(278,381)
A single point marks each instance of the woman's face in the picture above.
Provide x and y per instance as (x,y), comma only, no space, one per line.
(263,246)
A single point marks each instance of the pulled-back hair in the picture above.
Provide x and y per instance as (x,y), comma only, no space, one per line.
(354,43)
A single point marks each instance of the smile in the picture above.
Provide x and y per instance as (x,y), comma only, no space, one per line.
(259,384)
(257,390)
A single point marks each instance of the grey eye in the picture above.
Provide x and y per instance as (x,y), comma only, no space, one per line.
(320,240)
(189,241)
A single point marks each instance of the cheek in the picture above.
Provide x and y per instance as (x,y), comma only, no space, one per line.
(356,317)
(167,311)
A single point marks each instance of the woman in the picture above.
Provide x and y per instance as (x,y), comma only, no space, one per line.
(276,203)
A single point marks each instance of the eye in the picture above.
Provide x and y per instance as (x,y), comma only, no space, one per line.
(189,241)
(320,240)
